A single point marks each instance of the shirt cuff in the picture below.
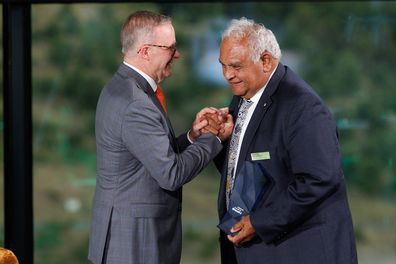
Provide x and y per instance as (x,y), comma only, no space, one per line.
(191,141)
(188,137)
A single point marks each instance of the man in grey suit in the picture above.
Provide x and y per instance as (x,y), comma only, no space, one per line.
(141,165)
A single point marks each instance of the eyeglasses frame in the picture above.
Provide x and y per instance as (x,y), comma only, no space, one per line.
(171,48)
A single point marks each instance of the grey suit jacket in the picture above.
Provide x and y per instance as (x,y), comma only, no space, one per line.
(141,168)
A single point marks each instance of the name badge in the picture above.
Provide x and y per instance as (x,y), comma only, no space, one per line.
(260,156)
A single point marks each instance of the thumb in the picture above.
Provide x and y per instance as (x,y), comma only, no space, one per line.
(229,118)
(238,226)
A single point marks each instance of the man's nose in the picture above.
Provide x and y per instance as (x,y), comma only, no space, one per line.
(177,54)
(228,74)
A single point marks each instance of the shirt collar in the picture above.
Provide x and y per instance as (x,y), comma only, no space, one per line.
(145,76)
(256,97)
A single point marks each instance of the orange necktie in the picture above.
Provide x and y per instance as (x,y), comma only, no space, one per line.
(160,95)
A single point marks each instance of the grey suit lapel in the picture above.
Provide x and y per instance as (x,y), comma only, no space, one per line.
(142,84)
(128,72)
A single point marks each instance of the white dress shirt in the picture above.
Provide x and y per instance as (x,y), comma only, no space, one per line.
(255,99)
(144,75)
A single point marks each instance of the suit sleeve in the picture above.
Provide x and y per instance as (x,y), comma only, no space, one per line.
(313,154)
(183,142)
(145,135)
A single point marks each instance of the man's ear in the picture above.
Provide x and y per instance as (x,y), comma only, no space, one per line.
(144,52)
(266,59)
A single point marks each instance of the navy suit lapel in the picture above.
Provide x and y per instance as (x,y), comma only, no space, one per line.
(257,117)
(259,113)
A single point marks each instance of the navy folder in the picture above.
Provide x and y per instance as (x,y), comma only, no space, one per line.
(250,184)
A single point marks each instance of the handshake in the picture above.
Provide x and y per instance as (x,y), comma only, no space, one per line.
(212,120)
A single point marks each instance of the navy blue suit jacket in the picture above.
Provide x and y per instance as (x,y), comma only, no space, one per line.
(304,217)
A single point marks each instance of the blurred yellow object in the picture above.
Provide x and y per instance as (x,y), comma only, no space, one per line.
(7,257)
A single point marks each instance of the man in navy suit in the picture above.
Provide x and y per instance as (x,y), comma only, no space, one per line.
(304,217)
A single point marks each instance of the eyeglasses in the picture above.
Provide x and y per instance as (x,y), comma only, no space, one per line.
(171,48)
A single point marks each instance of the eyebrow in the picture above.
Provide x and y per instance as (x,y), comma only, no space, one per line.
(233,64)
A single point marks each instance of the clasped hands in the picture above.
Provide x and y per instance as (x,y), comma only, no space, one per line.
(212,120)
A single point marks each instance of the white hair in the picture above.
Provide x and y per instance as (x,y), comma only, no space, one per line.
(259,38)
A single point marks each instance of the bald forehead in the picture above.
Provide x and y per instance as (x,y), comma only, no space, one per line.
(233,49)
(232,46)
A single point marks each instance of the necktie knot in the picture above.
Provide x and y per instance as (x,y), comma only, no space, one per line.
(161,97)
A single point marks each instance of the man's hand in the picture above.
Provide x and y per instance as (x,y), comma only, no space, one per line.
(204,124)
(246,231)
(227,124)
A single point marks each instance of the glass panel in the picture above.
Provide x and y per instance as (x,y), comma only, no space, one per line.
(346,51)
